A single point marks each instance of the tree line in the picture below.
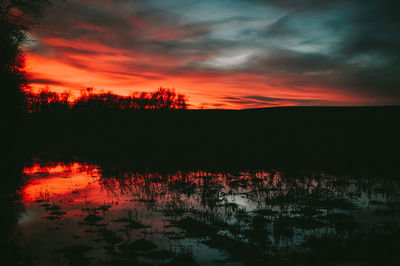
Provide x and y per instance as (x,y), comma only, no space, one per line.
(46,100)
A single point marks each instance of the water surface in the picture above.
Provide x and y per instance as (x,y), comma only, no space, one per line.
(82,214)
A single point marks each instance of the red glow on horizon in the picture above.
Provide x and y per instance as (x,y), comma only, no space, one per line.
(203,89)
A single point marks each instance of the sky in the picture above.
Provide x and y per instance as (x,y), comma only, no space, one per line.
(223,53)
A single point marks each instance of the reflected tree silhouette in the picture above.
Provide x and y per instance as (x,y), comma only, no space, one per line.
(12,209)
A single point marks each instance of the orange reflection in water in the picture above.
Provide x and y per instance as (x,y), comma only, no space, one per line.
(37,169)
(83,183)
(51,182)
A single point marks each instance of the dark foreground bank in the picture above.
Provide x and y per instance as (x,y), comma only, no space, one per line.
(344,139)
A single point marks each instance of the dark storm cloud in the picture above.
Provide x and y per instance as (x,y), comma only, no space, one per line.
(46,81)
(279,27)
(366,58)
(289,62)
(306,4)
(119,29)
(254,101)
(373,26)
(379,77)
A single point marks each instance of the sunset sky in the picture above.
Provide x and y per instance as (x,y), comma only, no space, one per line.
(223,54)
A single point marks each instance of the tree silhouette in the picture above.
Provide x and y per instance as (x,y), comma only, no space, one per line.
(17,18)
(167,99)
(45,100)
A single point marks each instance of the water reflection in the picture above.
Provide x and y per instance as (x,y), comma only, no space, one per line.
(85,214)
